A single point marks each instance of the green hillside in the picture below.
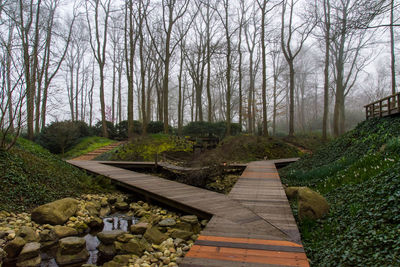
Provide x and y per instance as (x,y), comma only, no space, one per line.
(30,176)
(359,174)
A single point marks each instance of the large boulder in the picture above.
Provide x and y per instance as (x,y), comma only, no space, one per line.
(185,235)
(192,219)
(169,222)
(311,204)
(56,212)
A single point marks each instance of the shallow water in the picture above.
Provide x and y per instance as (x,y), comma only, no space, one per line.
(115,221)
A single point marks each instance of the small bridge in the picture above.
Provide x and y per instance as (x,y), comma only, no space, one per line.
(384,107)
(251,226)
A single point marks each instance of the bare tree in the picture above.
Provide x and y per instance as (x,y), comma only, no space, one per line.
(98,44)
(172,11)
(289,34)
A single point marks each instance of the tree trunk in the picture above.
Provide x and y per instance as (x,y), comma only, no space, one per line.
(392,54)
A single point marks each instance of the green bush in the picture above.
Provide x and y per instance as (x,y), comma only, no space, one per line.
(59,136)
(111,130)
(122,129)
(154,127)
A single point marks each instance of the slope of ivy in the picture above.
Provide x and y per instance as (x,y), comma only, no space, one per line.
(31,176)
(359,174)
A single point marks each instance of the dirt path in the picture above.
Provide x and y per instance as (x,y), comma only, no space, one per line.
(95,153)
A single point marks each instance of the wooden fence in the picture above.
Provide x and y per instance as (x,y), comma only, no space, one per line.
(384,107)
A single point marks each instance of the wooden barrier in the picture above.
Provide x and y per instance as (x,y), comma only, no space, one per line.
(384,107)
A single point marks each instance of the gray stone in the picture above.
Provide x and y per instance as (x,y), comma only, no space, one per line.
(169,222)
(55,213)
(108,237)
(30,250)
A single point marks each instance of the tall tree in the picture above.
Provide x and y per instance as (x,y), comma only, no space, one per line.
(130,46)
(392,50)
(99,44)
(289,34)
(172,11)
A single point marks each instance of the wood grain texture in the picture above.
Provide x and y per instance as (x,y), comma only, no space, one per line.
(251,226)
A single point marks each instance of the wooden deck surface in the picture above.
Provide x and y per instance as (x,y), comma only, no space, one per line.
(251,226)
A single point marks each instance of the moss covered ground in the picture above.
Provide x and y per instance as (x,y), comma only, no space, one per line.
(359,174)
(31,176)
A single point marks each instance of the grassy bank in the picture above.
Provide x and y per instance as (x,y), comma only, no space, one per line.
(359,174)
(31,176)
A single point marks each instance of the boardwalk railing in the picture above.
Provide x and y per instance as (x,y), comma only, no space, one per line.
(383,107)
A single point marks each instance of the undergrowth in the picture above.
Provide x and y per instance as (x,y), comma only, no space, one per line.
(359,174)
(31,176)
(149,147)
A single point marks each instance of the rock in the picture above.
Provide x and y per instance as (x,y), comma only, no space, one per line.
(108,237)
(139,228)
(107,250)
(47,235)
(112,200)
(55,213)
(63,259)
(104,202)
(64,231)
(183,226)
(30,251)
(3,255)
(125,238)
(311,204)
(203,223)
(185,235)
(178,242)
(153,235)
(32,262)
(104,211)
(14,247)
(71,245)
(134,246)
(92,208)
(122,206)
(88,265)
(3,234)
(192,219)
(167,222)
(120,260)
(96,223)
(291,192)
(71,250)
(28,234)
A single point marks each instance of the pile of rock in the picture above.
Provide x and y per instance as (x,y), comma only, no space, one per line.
(160,238)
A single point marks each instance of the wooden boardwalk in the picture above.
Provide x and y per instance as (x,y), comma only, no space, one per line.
(252,226)
(383,107)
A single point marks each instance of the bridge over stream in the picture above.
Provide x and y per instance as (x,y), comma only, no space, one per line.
(251,226)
